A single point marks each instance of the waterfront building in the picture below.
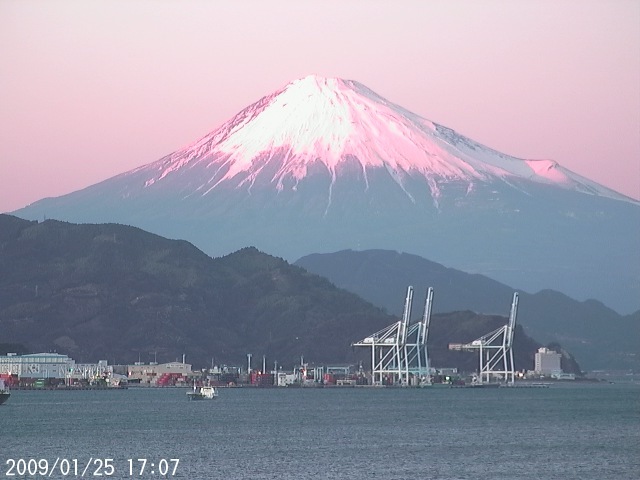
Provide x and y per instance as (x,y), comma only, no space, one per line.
(91,370)
(547,362)
(149,374)
(51,366)
(37,365)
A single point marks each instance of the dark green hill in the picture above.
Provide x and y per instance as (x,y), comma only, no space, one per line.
(118,293)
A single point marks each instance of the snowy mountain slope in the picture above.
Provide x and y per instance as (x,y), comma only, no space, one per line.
(326,164)
(328,121)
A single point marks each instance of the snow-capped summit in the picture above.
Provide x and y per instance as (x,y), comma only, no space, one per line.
(316,121)
(325,164)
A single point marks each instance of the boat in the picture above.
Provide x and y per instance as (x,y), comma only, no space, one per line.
(203,393)
(4,393)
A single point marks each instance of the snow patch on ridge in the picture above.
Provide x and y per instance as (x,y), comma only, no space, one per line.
(547,169)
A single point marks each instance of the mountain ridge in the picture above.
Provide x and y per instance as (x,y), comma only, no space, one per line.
(523,222)
(598,336)
(115,292)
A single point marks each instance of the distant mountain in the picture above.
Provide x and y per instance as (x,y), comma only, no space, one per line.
(598,336)
(118,293)
(326,164)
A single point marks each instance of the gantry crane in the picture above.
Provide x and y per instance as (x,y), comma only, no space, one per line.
(495,350)
(399,351)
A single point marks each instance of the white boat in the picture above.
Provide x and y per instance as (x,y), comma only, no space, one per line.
(203,393)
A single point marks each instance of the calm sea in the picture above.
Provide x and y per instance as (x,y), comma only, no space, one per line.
(563,432)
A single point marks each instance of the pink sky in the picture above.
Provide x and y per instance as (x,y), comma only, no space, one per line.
(92,89)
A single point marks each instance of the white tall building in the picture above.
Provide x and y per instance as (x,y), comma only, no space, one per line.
(547,361)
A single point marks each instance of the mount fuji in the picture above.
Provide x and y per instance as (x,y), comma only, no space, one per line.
(326,164)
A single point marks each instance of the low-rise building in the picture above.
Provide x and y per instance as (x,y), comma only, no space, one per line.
(149,374)
(54,366)
(37,365)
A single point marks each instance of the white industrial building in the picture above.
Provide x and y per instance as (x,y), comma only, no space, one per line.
(57,366)
(36,365)
(547,362)
(50,365)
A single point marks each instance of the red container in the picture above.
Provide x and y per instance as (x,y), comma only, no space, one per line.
(329,379)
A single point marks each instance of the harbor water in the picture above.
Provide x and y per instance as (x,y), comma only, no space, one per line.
(567,431)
